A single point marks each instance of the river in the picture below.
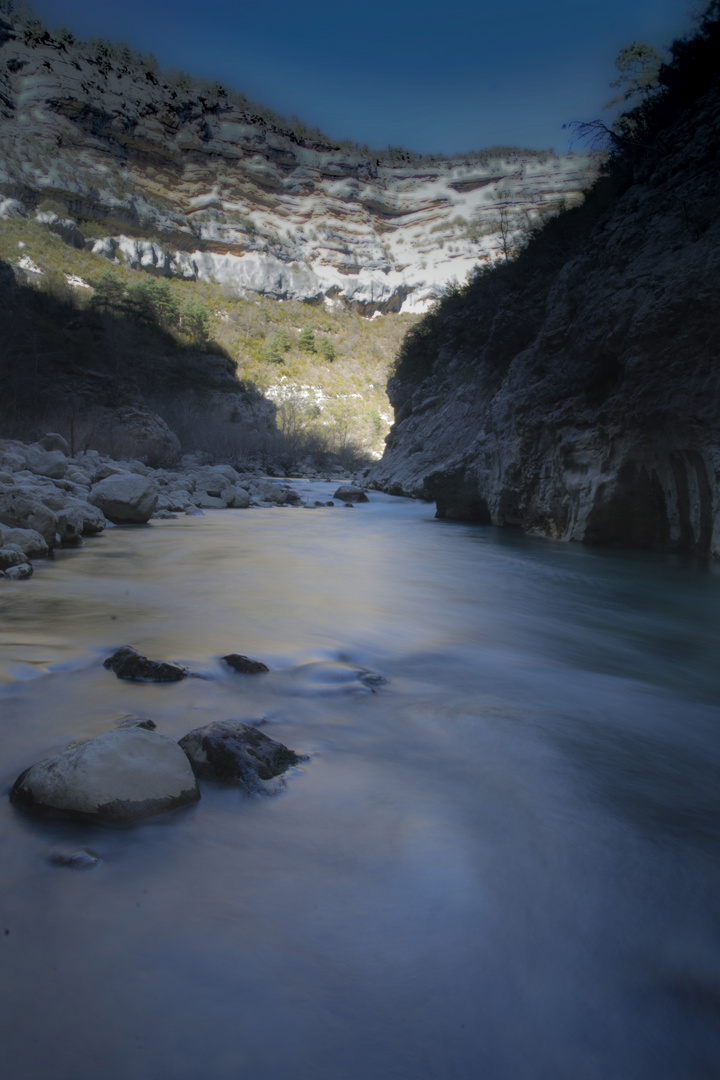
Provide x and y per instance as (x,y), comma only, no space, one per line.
(501,863)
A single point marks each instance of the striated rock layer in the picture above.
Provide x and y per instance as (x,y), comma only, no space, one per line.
(155,172)
(575,393)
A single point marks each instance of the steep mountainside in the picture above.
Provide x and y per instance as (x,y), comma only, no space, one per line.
(574,391)
(158,171)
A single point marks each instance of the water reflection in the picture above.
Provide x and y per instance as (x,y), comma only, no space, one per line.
(502,862)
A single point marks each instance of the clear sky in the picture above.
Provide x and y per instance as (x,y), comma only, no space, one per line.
(425,74)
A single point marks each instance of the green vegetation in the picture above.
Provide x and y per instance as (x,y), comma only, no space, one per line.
(195,354)
(326,348)
(306,341)
(152,301)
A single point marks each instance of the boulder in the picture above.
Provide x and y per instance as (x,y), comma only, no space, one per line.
(127,498)
(237,498)
(70,525)
(53,441)
(178,499)
(106,468)
(20,510)
(213,480)
(121,776)
(18,573)
(244,664)
(147,433)
(235,753)
(92,518)
(266,491)
(129,664)
(28,540)
(350,494)
(11,556)
(208,502)
(52,498)
(78,476)
(50,463)
(12,460)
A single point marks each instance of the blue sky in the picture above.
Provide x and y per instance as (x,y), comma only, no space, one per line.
(431,76)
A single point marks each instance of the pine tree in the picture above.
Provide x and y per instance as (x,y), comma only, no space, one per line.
(306,341)
(284,339)
(273,351)
(326,348)
(109,291)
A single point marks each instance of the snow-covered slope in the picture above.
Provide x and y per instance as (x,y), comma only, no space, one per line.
(193,180)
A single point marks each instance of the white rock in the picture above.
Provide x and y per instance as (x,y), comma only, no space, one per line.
(10,208)
(121,776)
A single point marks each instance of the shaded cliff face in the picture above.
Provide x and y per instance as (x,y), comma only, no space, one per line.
(575,392)
(157,173)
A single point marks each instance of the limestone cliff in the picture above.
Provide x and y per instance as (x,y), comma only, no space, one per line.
(160,172)
(574,391)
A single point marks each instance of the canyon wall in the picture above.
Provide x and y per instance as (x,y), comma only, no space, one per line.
(574,392)
(161,172)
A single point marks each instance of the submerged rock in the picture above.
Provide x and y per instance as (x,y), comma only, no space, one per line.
(129,664)
(244,664)
(235,753)
(136,721)
(76,860)
(350,494)
(118,777)
(19,572)
(371,679)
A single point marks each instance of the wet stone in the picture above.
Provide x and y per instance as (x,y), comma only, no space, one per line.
(129,664)
(244,664)
(348,493)
(121,776)
(372,679)
(231,752)
(137,721)
(76,860)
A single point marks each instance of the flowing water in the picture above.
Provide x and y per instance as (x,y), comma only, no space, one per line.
(502,863)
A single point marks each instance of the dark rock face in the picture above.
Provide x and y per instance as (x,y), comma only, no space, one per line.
(129,664)
(574,392)
(244,664)
(235,753)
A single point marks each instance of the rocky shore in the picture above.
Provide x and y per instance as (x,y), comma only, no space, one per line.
(52,498)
